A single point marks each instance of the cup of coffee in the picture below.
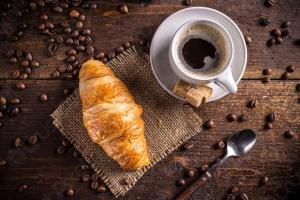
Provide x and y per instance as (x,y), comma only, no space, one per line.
(201,51)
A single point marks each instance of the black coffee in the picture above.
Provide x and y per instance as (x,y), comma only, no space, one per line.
(195,50)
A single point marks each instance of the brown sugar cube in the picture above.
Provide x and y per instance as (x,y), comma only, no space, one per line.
(181,88)
(205,90)
(196,96)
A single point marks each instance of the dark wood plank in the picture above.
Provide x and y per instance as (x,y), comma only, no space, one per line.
(49,174)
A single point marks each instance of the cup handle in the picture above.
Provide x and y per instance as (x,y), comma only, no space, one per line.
(226,81)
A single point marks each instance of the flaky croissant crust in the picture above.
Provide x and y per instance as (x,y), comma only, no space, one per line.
(111,116)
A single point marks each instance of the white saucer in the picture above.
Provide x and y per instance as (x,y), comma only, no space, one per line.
(165,32)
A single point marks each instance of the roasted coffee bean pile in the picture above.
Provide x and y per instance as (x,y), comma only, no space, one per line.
(9,107)
(279,34)
(234,193)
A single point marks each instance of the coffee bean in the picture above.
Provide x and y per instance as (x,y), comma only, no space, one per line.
(267,72)
(72,52)
(74,13)
(187,2)
(290,68)
(243,117)
(15,111)
(58,9)
(286,76)
(94,185)
(187,146)
(100,55)
(243,196)
(190,173)
(278,40)
(271,42)
(285,24)
(20,86)
(88,40)
(209,124)
(70,59)
(105,60)
(94,6)
(265,80)
(271,117)
(35,64)
(81,17)
(94,177)
(204,168)
(44,17)
(9,53)
(22,188)
(268,125)
(69,68)
(79,24)
(1,115)
(127,45)
(276,32)
(64,5)
(263,21)
(23,76)
(231,117)
(81,38)
(76,154)
(28,56)
(69,41)
(289,134)
(49,25)
(75,34)
(80,48)
(285,33)
(18,142)
(231,197)
(43,97)
(24,63)
(124,9)
(19,53)
(181,182)
(52,47)
(111,55)
(68,91)
(15,101)
(70,192)
(270,3)
(101,189)
(248,39)
(16,74)
(120,49)
(32,139)
(67,30)
(41,3)
(85,178)
(13,60)
(220,145)
(41,26)
(85,5)
(264,180)
(3,163)
(59,39)
(233,190)
(76,42)
(3,100)
(61,149)
(87,31)
(90,50)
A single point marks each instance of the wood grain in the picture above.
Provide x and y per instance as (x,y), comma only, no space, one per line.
(48,174)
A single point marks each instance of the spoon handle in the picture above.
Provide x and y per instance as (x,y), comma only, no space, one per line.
(201,180)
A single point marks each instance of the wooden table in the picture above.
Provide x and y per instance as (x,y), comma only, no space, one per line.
(48,174)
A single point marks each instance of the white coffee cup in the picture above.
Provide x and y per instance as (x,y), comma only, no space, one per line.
(223,76)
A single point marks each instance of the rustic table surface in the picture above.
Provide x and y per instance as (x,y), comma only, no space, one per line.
(48,174)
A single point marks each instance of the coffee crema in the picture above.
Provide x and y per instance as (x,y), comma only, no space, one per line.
(202,50)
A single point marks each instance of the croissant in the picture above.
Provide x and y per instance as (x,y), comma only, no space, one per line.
(111,116)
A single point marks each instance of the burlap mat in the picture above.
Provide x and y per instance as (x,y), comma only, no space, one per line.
(168,122)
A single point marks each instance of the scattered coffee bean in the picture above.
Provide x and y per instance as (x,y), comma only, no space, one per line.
(233,190)
(268,125)
(35,64)
(290,68)
(76,154)
(59,39)
(44,17)
(100,55)
(204,168)
(16,74)
(13,60)
(187,146)
(209,124)
(94,6)
(90,50)
(278,40)
(19,53)
(58,9)
(190,173)
(15,101)
(231,117)
(67,30)
(15,111)
(81,17)
(187,2)
(9,53)
(267,72)
(271,117)
(265,80)
(70,192)
(72,52)
(248,39)
(88,40)
(286,76)
(75,34)
(61,149)
(41,27)
(18,142)
(124,181)
(124,9)
(94,177)
(49,25)
(69,41)
(28,56)
(20,86)
(271,42)
(264,180)
(3,163)
(243,117)
(243,196)
(80,48)
(285,24)
(3,100)
(289,134)
(181,182)
(85,178)
(220,145)
(276,32)
(81,38)
(22,188)
(127,45)
(79,24)
(70,59)
(24,63)
(270,3)
(69,68)
(23,76)
(32,139)
(94,185)
(101,189)
(285,33)
(43,97)
(87,31)
(74,13)
(263,21)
